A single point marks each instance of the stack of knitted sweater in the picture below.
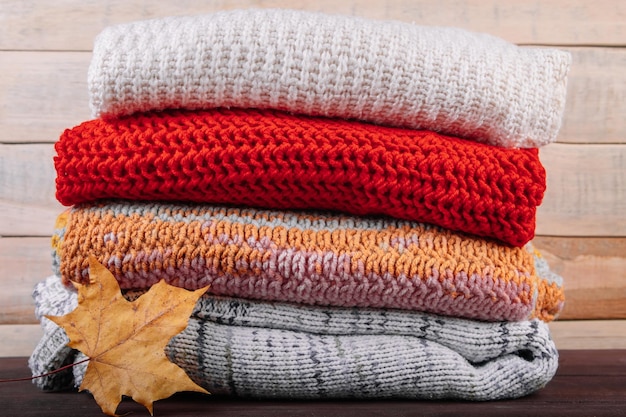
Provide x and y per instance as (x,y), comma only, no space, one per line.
(359,195)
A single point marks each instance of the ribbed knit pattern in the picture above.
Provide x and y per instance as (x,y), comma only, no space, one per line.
(392,73)
(306,257)
(274,350)
(271,159)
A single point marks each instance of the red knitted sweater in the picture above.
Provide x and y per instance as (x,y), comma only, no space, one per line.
(276,160)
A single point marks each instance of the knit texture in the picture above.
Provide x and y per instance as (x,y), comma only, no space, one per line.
(271,159)
(256,349)
(387,72)
(305,257)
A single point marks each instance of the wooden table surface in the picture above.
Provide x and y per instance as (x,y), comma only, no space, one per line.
(588,383)
(45,52)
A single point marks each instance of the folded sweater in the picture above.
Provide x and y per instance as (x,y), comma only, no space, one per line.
(387,72)
(272,159)
(277,350)
(307,257)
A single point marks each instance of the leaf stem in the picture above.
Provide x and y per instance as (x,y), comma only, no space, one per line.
(63,368)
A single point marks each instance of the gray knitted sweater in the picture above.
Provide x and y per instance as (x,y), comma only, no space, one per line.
(279,350)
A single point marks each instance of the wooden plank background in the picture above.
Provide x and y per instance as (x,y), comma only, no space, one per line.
(45,49)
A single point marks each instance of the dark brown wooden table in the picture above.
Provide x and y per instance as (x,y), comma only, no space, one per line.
(588,383)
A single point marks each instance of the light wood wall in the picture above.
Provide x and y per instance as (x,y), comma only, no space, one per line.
(45,51)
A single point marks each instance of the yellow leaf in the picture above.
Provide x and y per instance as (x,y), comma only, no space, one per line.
(125,341)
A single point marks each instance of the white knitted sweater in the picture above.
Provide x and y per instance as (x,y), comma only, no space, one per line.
(443,79)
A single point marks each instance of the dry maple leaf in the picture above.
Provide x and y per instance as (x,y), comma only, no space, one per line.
(125,341)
